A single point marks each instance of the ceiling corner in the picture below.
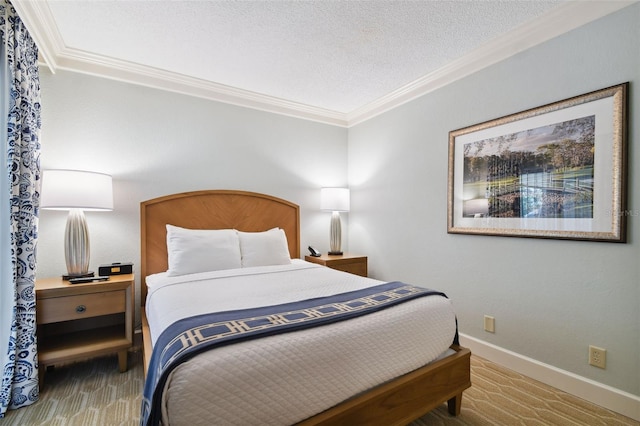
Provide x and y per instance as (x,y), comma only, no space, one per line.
(39,21)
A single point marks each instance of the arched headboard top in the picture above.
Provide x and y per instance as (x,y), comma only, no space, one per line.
(211,209)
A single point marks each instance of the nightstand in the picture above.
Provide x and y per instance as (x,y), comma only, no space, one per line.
(343,262)
(78,321)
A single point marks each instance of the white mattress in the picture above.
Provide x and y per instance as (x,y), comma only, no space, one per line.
(283,379)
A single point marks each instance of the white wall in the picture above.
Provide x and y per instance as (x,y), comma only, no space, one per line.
(551,298)
(156,143)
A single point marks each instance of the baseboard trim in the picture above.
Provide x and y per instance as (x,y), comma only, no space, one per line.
(605,396)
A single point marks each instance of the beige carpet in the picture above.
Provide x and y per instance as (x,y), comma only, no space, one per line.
(94,393)
(90,393)
(499,396)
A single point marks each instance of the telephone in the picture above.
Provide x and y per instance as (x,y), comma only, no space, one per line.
(314,252)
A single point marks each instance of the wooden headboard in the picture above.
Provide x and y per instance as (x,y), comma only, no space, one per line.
(214,209)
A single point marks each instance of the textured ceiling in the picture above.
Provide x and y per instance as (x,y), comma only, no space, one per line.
(336,56)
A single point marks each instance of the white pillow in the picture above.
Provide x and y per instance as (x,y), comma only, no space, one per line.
(201,250)
(264,248)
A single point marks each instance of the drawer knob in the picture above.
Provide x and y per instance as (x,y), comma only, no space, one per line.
(80,309)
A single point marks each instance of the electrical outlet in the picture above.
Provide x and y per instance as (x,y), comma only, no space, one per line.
(489,324)
(597,357)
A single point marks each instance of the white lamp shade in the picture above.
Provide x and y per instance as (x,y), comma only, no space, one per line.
(74,189)
(334,199)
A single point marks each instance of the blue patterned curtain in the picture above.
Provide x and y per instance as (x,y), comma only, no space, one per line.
(19,200)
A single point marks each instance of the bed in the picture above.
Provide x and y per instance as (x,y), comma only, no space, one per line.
(301,383)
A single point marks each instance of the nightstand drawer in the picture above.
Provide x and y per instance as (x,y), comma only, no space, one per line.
(81,306)
(346,262)
(357,268)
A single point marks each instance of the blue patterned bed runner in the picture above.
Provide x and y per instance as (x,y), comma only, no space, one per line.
(190,336)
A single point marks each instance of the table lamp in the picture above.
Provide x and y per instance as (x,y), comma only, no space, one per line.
(76,191)
(335,200)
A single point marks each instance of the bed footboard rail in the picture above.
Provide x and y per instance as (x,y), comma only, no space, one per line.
(406,398)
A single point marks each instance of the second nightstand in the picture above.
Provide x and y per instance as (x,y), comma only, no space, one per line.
(346,262)
(78,321)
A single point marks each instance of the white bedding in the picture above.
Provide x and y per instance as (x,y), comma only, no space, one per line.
(283,379)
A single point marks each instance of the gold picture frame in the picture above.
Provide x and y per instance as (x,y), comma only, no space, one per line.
(555,171)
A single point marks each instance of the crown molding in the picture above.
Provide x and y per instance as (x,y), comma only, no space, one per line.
(142,75)
(554,23)
(39,21)
(55,55)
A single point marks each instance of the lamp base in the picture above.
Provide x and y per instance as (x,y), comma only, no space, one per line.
(335,253)
(67,277)
(335,235)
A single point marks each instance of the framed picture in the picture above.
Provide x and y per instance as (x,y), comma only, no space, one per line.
(556,171)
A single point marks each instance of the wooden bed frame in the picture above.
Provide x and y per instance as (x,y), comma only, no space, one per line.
(397,402)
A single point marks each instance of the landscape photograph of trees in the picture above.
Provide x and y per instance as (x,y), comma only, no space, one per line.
(543,172)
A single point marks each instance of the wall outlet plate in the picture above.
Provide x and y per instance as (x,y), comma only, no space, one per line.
(597,357)
(489,324)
